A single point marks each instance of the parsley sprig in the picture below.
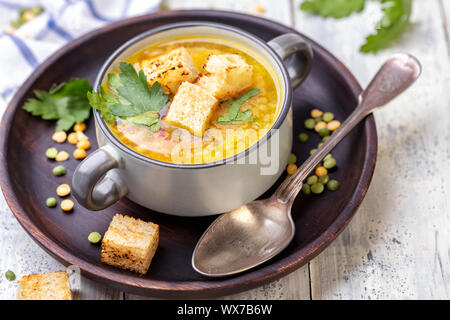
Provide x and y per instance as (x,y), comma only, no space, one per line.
(396,17)
(130,98)
(67,103)
(397,14)
(234,114)
(333,8)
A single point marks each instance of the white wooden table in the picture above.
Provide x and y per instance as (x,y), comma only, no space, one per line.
(397,245)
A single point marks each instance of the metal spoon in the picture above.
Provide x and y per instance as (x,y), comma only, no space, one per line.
(248,236)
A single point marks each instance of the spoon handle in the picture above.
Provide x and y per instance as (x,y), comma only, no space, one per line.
(394,77)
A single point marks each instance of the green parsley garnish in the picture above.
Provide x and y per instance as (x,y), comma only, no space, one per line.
(397,14)
(235,115)
(26,15)
(66,102)
(130,98)
(333,8)
(102,102)
(149,119)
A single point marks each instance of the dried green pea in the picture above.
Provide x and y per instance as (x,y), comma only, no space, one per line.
(328,116)
(292,159)
(10,276)
(329,163)
(333,185)
(324,179)
(94,237)
(317,188)
(303,137)
(324,132)
(306,189)
(51,153)
(59,171)
(312,179)
(51,202)
(310,123)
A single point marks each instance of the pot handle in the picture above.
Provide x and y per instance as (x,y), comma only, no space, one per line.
(88,190)
(302,56)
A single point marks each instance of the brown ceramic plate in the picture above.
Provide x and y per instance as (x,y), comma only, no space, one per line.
(27,180)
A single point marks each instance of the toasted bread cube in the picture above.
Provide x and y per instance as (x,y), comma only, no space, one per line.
(228,75)
(170,69)
(130,243)
(47,286)
(191,109)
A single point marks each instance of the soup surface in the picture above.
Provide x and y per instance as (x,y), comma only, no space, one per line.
(203,78)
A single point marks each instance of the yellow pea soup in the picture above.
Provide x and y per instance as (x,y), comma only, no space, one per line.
(173,144)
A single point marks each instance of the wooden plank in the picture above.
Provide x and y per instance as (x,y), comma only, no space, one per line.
(445,10)
(397,245)
(19,253)
(295,285)
(276,10)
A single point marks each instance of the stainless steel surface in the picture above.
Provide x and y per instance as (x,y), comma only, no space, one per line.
(248,236)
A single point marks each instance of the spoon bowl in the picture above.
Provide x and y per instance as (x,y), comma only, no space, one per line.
(245,238)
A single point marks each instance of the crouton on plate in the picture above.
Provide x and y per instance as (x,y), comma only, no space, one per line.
(47,286)
(228,75)
(191,109)
(130,243)
(170,69)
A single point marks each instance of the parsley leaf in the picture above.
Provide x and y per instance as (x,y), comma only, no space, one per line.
(333,8)
(66,102)
(394,21)
(44,105)
(397,14)
(130,98)
(102,102)
(26,15)
(149,119)
(235,115)
(134,95)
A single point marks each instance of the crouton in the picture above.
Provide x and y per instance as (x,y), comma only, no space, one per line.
(191,109)
(170,69)
(130,243)
(228,75)
(47,286)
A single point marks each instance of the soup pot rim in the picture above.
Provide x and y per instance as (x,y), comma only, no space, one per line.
(286,104)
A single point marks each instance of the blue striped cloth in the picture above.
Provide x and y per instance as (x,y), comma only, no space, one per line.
(62,20)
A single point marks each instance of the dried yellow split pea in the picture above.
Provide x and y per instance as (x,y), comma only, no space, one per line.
(79,126)
(84,144)
(62,156)
(59,136)
(316,113)
(73,138)
(67,205)
(63,190)
(79,154)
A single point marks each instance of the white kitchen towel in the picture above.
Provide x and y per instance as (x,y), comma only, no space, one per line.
(61,21)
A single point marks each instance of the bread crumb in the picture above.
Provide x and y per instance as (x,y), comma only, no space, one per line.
(130,243)
(47,286)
